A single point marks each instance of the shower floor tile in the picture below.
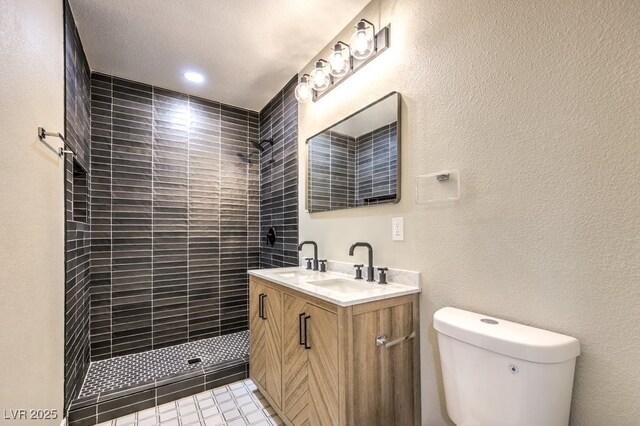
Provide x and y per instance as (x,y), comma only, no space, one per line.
(135,370)
(239,403)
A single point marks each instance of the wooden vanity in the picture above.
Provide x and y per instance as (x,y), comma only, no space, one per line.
(320,363)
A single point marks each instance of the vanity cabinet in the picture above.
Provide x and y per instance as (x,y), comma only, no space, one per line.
(324,364)
(310,363)
(265,320)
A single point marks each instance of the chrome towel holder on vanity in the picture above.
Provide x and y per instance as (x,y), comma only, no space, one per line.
(65,149)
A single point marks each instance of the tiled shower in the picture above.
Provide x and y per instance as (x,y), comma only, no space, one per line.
(176,205)
(175,213)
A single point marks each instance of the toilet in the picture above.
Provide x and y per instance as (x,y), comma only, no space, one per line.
(501,373)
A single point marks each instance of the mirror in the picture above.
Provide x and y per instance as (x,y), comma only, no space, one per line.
(355,162)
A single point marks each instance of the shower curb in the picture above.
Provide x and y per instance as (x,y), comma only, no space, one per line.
(110,405)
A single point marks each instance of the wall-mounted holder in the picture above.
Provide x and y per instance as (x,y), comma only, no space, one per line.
(65,149)
(381,44)
(438,187)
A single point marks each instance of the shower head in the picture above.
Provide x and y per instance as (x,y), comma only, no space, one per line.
(258,145)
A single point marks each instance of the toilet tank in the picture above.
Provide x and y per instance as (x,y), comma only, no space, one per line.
(501,373)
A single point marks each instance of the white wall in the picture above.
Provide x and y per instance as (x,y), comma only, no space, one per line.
(31,208)
(538,104)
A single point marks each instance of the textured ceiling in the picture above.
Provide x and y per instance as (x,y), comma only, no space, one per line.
(247,49)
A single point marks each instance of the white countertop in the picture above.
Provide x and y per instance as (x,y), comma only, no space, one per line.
(360,291)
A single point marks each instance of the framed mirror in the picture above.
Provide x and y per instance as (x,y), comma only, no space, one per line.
(355,162)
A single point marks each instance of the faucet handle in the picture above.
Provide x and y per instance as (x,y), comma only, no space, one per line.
(382,277)
(358,271)
(308,259)
(323,265)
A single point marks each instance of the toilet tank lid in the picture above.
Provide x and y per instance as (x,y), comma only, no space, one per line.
(506,337)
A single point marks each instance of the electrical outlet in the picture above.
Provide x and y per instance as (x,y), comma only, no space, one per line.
(397,229)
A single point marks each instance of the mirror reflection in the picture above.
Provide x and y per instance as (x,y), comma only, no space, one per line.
(355,162)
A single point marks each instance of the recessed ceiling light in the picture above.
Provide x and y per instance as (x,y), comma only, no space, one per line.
(194,77)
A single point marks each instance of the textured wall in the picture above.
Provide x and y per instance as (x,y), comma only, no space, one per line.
(538,104)
(78,242)
(279,179)
(174,218)
(31,208)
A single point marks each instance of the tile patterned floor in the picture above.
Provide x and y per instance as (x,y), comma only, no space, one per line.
(237,404)
(139,368)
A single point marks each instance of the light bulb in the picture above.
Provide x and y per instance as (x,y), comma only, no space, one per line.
(320,76)
(337,61)
(361,41)
(340,60)
(303,90)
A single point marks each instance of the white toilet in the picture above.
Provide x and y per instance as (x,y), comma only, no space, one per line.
(500,373)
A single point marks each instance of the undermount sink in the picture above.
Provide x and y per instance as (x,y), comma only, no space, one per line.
(340,285)
(295,274)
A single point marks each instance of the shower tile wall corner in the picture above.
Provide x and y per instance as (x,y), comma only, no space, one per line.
(279,179)
(376,164)
(347,171)
(77,237)
(175,213)
(332,171)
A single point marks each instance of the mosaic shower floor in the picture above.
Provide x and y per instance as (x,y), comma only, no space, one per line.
(133,370)
(237,404)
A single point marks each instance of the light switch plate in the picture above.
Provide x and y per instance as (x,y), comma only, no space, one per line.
(397,229)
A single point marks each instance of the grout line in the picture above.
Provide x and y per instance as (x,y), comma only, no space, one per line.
(219,216)
(153,131)
(188,277)
(111,220)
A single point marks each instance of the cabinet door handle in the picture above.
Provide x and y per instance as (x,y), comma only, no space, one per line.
(264,297)
(300,319)
(261,298)
(306,335)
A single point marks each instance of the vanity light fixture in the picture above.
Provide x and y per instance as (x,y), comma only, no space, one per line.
(304,92)
(363,41)
(340,59)
(344,60)
(320,78)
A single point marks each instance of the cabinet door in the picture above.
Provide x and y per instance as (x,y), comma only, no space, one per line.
(257,356)
(322,332)
(272,318)
(295,392)
(384,376)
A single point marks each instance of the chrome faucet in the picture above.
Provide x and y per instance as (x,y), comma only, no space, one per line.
(370,267)
(315,252)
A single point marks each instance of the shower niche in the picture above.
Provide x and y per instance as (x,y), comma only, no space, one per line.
(80,192)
